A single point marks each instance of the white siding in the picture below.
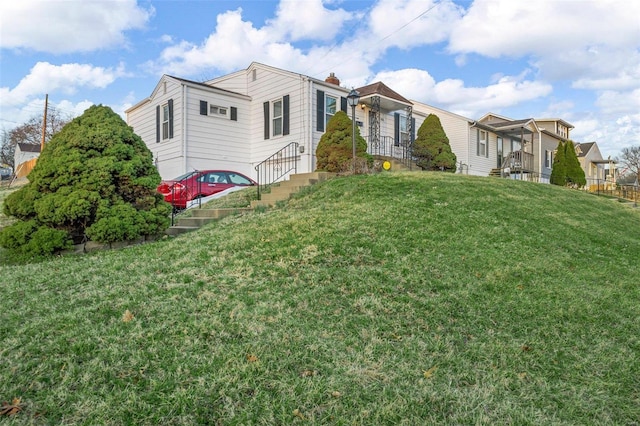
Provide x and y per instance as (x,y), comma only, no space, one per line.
(166,153)
(456,128)
(217,142)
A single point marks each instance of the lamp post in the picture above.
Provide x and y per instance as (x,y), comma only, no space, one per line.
(352,99)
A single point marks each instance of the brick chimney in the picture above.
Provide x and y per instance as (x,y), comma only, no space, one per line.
(332,79)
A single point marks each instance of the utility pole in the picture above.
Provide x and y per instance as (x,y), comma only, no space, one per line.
(44,122)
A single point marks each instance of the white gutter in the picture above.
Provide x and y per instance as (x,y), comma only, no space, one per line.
(310,154)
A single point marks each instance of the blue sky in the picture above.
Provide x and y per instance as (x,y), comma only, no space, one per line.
(578,60)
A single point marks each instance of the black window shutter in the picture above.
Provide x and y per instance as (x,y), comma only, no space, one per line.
(478,142)
(203,108)
(158,124)
(285,115)
(396,129)
(343,104)
(170,118)
(234,114)
(320,111)
(266,120)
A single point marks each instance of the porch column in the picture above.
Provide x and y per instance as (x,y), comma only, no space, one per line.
(409,147)
(374,125)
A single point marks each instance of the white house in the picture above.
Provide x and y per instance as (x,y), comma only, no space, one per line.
(239,120)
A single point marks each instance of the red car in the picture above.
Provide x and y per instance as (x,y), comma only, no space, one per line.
(200,184)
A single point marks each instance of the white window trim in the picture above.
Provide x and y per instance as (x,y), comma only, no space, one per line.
(327,114)
(548,159)
(165,122)
(218,111)
(482,143)
(277,118)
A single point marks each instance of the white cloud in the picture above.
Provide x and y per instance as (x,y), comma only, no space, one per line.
(410,23)
(515,28)
(67,79)
(307,21)
(362,45)
(226,49)
(69,26)
(592,41)
(453,95)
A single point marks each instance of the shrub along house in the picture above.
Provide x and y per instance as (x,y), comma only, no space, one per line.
(264,116)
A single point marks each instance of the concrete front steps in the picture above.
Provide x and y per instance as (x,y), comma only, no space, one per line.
(200,217)
(284,190)
(279,192)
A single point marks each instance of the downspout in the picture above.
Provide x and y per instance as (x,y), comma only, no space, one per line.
(522,141)
(311,154)
(473,124)
(540,160)
(184,128)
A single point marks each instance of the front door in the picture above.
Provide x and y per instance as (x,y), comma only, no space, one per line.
(499,151)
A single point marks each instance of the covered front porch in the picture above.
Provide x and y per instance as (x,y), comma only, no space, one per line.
(379,103)
(515,149)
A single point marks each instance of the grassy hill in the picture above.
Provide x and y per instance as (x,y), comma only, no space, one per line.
(407,298)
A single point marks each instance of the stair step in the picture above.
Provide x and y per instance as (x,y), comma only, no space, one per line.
(218,213)
(194,221)
(177,230)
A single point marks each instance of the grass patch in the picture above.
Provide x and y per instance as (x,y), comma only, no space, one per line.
(398,298)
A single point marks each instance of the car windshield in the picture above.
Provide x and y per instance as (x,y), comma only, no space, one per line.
(184,176)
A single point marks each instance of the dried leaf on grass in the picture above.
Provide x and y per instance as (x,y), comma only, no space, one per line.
(308,373)
(252,358)
(298,414)
(428,373)
(127,316)
(9,409)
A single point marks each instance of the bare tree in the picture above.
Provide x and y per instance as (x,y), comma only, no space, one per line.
(30,133)
(631,160)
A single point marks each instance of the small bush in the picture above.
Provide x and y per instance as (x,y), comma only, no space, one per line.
(335,149)
(431,147)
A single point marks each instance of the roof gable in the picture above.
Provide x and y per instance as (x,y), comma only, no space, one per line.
(379,88)
(29,147)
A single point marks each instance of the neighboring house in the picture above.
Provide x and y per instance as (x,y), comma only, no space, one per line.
(597,170)
(25,158)
(238,120)
(25,152)
(522,149)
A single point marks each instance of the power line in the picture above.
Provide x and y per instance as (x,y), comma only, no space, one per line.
(388,35)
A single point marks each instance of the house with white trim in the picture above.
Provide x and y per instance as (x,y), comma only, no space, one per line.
(239,120)
(599,172)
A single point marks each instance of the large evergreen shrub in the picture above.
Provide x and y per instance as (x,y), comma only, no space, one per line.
(566,169)
(431,147)
(575,174)
(95,180)
(559,169)
(335,149)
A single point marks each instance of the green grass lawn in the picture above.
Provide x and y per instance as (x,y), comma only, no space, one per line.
(389,299)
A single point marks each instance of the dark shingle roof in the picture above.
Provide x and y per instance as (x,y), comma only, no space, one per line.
(583,148)
(29,147)
(380,88)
